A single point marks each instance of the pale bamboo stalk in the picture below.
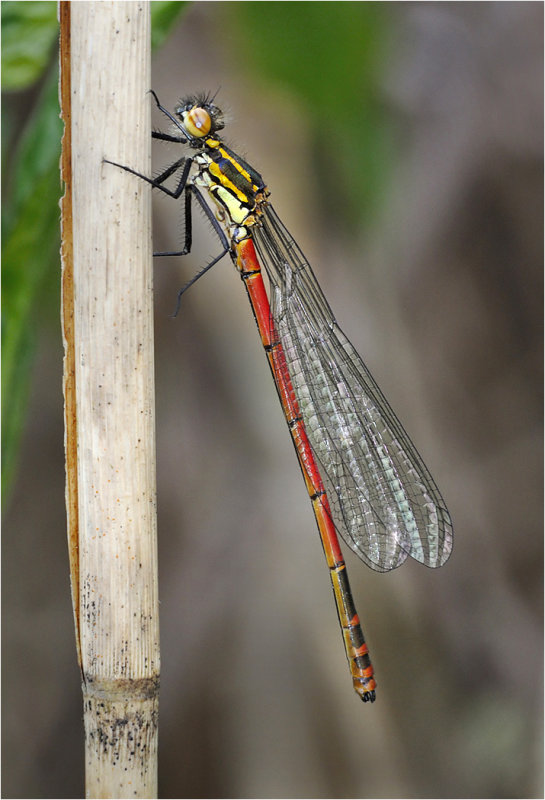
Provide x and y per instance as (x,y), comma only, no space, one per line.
(110,440)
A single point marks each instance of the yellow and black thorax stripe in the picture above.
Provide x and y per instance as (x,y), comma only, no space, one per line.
(235,185)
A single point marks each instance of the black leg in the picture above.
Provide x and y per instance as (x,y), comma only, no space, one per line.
(190,189)
(187,227)
(196,278)
(221,235)
(212,219)
(167,137)
(157,182)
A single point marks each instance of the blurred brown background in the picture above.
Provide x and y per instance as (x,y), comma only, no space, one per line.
(441,292)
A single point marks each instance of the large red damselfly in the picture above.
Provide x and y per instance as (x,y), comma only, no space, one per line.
(365,479)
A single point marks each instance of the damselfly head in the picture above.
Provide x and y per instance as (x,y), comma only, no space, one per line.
(199,116)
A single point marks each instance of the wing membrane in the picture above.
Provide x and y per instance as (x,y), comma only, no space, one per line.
(384,502)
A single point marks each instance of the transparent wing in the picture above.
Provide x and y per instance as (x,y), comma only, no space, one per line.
(384,502)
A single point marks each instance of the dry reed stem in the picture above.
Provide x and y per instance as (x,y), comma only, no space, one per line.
(109,390)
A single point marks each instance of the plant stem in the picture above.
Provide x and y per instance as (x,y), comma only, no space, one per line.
(109,390)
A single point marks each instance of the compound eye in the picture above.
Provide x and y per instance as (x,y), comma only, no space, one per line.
(197,122)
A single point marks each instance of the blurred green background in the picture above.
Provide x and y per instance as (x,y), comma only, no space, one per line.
(403,145)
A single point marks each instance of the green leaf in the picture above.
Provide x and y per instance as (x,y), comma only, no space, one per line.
(331,57)
(30,259)
(163,17)
(29,32)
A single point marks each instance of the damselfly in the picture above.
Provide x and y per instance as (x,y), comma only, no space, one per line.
(365,478)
